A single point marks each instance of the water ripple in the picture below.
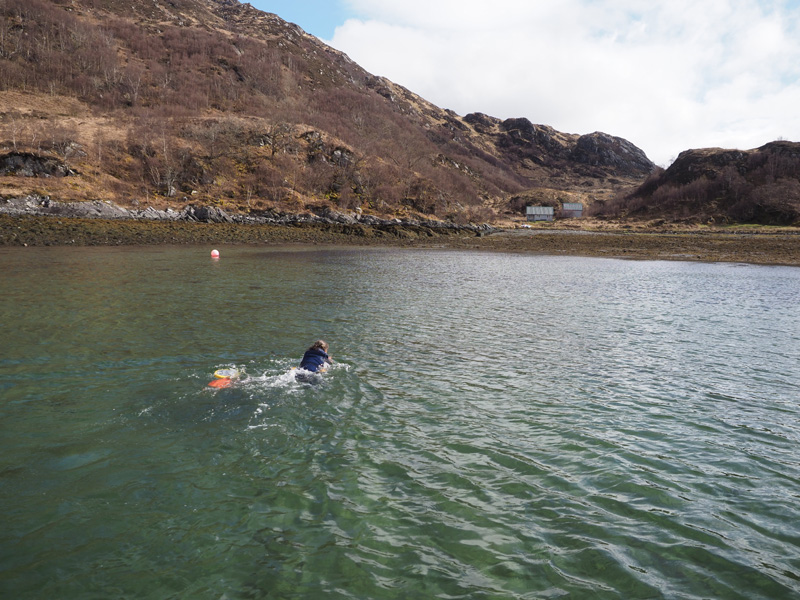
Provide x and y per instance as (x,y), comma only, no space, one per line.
(496,426)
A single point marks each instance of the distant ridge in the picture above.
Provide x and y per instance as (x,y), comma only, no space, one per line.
(213,102)
(714,185)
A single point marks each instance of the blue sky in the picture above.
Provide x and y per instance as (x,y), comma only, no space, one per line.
(667,75)
(318,17)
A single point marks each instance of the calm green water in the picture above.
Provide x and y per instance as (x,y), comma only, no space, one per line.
(497,426)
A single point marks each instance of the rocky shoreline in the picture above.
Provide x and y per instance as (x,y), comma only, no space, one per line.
(34,205)
(34,221)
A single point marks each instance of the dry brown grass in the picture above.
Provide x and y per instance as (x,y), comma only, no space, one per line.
(34,104)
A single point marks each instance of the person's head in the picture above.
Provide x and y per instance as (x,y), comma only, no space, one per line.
(319,345)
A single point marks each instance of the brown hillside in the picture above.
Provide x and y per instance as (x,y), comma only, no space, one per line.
(723,186)
(214,102)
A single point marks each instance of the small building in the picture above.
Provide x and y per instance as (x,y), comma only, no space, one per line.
(571,210)
(539,213)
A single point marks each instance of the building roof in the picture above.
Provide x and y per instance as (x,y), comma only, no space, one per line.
(539,210)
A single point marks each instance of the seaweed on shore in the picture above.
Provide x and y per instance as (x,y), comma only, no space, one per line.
(755,248)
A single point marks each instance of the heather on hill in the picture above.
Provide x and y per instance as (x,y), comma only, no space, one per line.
(214,102)
(715,185)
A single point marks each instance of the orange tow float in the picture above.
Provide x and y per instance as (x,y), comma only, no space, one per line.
(224,378)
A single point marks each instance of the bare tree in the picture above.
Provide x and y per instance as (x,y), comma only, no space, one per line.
(278,137)
(63,141)
(133,84)
(15,128)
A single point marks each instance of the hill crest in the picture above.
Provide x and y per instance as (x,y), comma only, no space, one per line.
(716,185)
(216,102)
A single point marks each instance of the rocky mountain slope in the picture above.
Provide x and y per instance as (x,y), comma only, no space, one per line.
(212,102)
(714,185)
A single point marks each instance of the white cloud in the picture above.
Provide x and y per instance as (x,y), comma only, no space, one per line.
(666,75)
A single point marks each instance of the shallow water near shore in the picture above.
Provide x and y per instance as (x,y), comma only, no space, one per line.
(495,426)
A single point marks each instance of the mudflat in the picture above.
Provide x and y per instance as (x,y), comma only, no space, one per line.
(755,248)
(770,248)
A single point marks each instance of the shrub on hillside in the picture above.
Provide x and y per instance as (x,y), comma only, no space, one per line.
(764,189)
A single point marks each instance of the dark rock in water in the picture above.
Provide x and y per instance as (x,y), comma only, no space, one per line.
(27,164)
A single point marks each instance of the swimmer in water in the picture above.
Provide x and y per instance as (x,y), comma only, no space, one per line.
(316,357)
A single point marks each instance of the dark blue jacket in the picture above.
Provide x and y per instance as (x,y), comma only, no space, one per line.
(313,360)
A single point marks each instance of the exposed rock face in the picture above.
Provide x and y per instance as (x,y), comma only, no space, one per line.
(523,132)
(26,164)
(35,205)
(481,122)
(205,214)
(601,149)
(540,142)
(705,162)
(609,156)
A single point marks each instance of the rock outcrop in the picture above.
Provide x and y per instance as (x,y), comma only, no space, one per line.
(563,153)
(44,206)
(717,185)
(603,150)
(27,164)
